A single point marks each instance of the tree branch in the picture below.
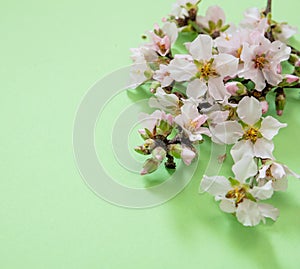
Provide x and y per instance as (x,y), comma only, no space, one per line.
(268,8)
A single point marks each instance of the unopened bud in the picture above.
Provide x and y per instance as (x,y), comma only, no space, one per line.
(149,144)
(149,166)
(236,88)
(280,101)
(175,150)
(291,78)
(159,153)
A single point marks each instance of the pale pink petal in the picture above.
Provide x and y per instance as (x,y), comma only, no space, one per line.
(240,149)
(215,185)
(226,65)
(263,148)
(196,89)
(280,184)
(245,168)
(201,48)
(248,213)
(268,211)
(217,89)
(249,110)
(227,206)
(264,192)
(171,30)
(270,127)
(181,69)
(227,132)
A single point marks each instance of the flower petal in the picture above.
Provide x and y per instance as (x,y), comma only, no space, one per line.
(201,48)
(216,89)
(263,148)
(227,132)
(240,149)
(270,127)
(227,206)
(249,110)
(264,192)
(268,211)
(215,185)
(196,89)
(248,213)
(226,65)
(245,168)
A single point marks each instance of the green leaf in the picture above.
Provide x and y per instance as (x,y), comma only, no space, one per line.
(179,46)
(287,68)
(173,133)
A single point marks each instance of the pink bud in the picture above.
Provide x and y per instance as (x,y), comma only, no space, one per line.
(164,19)
(264,106)
(143,172)
(279,112)
(232,87)
(297,63)
(187,155)
(291,78)
(142,131)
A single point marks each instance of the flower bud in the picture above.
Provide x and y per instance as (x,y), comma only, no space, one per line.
(143,134)
(175,150)
(187,155)
(236,88)
(159,153)
(291,78)
(149,144)
(149,166)
(280,101)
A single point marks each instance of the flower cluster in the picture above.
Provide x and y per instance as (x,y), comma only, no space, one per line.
(214,80)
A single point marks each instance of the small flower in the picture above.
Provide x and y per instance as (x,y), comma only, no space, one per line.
(206,69)
(213,21)
(254,19)
(163,76)
(180,8)
(277,173)
(261,62)
(165,101)
(191,121)
(283,31)
(239,198)
(164,38)
(150,121)
(251,135)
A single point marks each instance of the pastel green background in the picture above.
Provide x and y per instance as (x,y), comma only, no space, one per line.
(51,53)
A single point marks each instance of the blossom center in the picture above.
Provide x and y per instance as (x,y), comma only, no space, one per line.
(162,47)
(206,69)
(260,61)
(238,194)
(252,134)
(193,125)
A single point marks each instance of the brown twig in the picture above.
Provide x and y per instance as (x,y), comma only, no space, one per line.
(268,8)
